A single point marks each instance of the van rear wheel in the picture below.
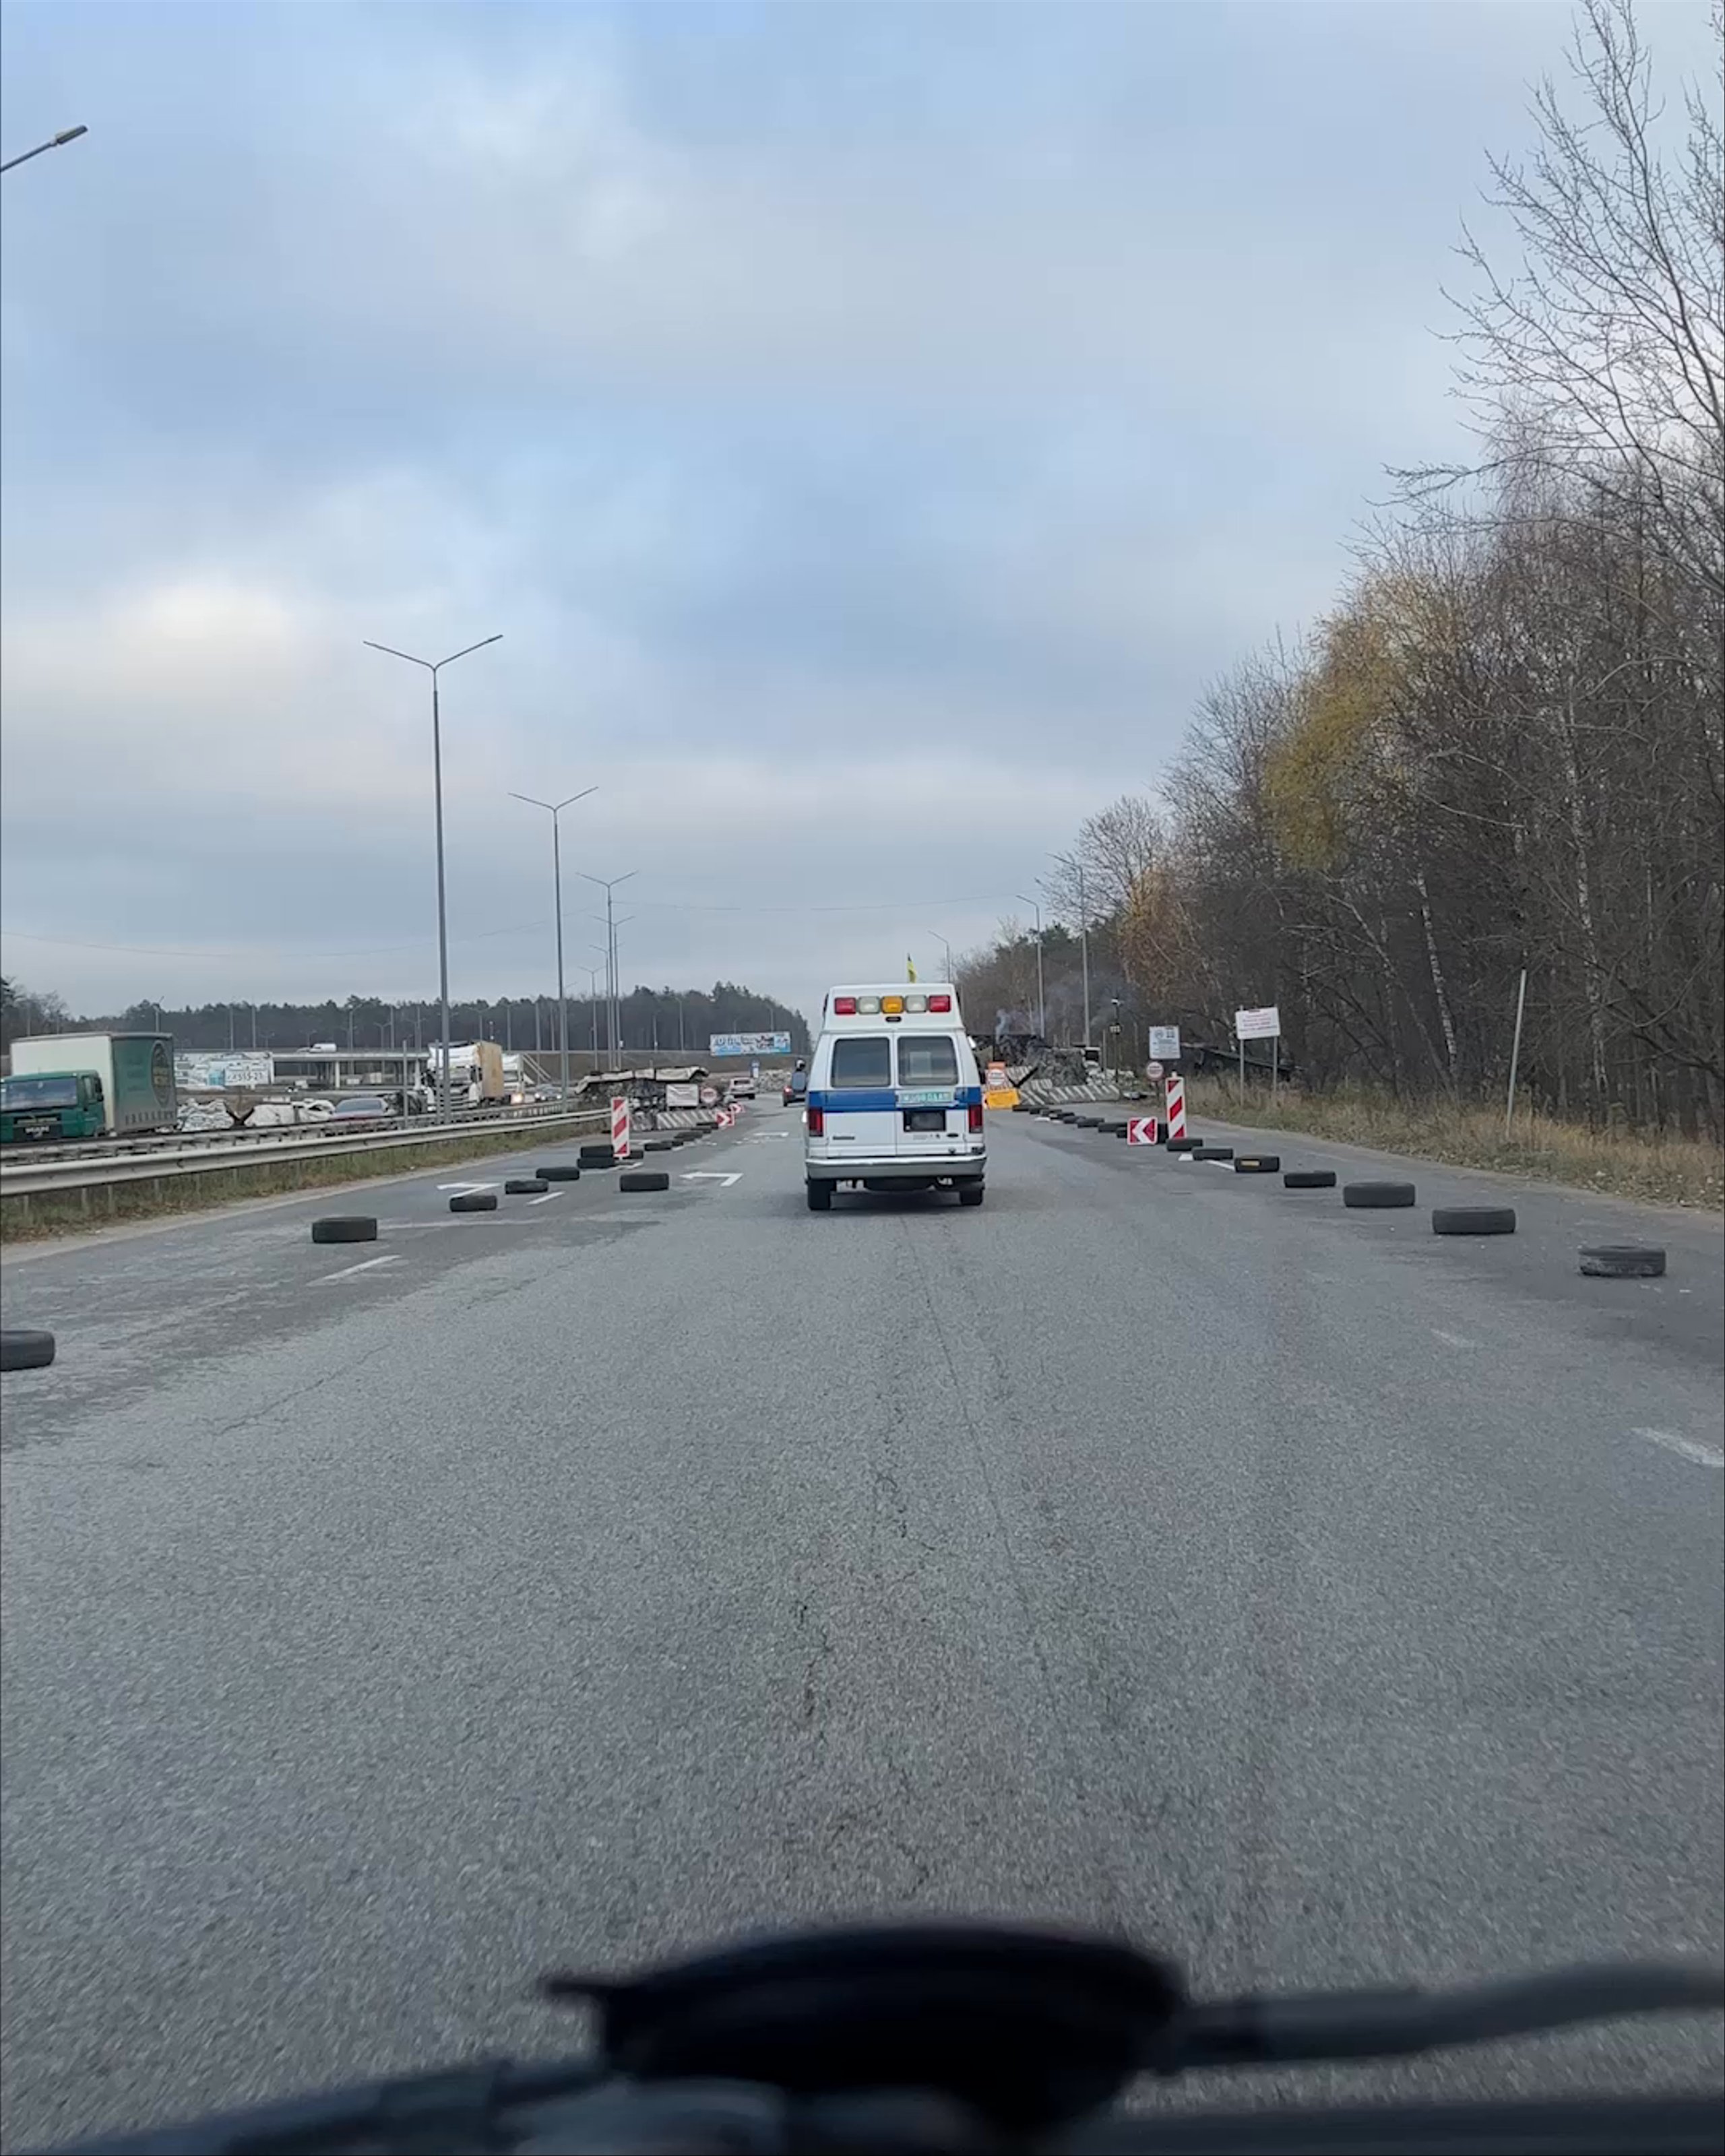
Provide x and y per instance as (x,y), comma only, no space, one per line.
(971,1193)
(821,1197)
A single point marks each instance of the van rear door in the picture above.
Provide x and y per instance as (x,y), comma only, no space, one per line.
(860,1108)
(932,1117)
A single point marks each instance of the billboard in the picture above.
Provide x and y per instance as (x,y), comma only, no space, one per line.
(748,1043)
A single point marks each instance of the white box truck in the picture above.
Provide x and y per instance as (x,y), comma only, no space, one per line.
(120,1084)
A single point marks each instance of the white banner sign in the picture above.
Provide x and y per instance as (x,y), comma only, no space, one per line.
(682,1097)
(1257,1024)
(1165,1044)
(748,1043)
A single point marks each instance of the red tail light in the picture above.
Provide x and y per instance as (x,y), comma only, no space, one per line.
(940,1003)
(976,1115)
(844,1006)
(817,1122)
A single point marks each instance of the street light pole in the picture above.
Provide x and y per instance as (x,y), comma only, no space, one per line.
(945,946)
(433,667)
(1035,904)
(55,142)
(611,1013)
(555,809)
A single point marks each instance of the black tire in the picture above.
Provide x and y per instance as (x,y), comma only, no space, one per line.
(598,1156)
(644,1178)
(473,1201)
(525,1186)
(1181,1145)
(1212,1152)
(1377,1196)
(820,1196)
(1257,1164)
(1086,1122)
(1623,1261)
(558,1171)
(658,1145)
(1020,1108)
(1473,1219)
(972,1193)
(1310,1178)
(26,1351)
(345,1228)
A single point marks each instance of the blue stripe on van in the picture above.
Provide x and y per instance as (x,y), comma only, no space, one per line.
(882,1100)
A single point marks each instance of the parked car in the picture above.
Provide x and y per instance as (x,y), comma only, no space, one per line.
(359,1110)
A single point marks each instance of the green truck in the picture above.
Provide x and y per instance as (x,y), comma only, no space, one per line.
(69,1085)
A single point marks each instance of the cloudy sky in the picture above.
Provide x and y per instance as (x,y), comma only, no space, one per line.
(868,428)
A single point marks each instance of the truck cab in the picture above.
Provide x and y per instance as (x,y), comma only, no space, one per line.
(50,1107)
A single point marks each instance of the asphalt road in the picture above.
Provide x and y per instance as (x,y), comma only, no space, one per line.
(1154,1548)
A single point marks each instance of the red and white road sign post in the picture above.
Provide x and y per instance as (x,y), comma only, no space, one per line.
(1176,1105)
(620,1126)
(1141,1130)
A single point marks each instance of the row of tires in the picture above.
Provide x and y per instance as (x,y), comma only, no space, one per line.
(32,1350)
(595,1156)
(1598,1260)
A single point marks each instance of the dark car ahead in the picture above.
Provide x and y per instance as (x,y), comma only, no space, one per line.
(360,1111)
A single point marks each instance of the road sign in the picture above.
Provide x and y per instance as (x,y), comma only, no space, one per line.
(1165,1043)
(748,1043)
(1152,1069)
(1265,1024)
(1141,1130)
(708,1097)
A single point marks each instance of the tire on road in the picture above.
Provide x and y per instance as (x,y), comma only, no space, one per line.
(972,1193)
(1377,1196)
(1257,1164)
(1473,1219)
(644,1178)
(1622,1260)
(473,1201)
(345,1228)
(658,1145)
(1310,1178)
(820,1196)
(1087,1122)
(1212,1152)
(1183,1145)
(525,1186)
(26,1351)
(558,1171)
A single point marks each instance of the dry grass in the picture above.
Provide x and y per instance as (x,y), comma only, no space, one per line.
(1663,1170)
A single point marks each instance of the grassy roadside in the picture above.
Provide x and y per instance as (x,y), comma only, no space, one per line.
(106,1205)
(1672,1171)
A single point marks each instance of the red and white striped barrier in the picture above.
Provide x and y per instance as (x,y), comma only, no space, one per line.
(1176,1107)
(620,1126)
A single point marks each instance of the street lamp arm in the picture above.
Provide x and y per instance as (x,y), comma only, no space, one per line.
(55,142)
(393,654)
(464,650)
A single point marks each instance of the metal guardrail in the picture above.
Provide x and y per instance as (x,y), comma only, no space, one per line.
(32,1177)
(157,1142)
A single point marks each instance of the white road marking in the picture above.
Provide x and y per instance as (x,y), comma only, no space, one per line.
(544,1200)
(711,1175)
(368,1265)
(1451,1339)
(1686,1448)
(460,1189)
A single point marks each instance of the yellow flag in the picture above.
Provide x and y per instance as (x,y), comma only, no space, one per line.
(910,968)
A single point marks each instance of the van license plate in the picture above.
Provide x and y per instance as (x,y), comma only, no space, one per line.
(932,1096)
(925,1119)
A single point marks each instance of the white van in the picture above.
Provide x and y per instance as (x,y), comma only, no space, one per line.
(895,1101)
